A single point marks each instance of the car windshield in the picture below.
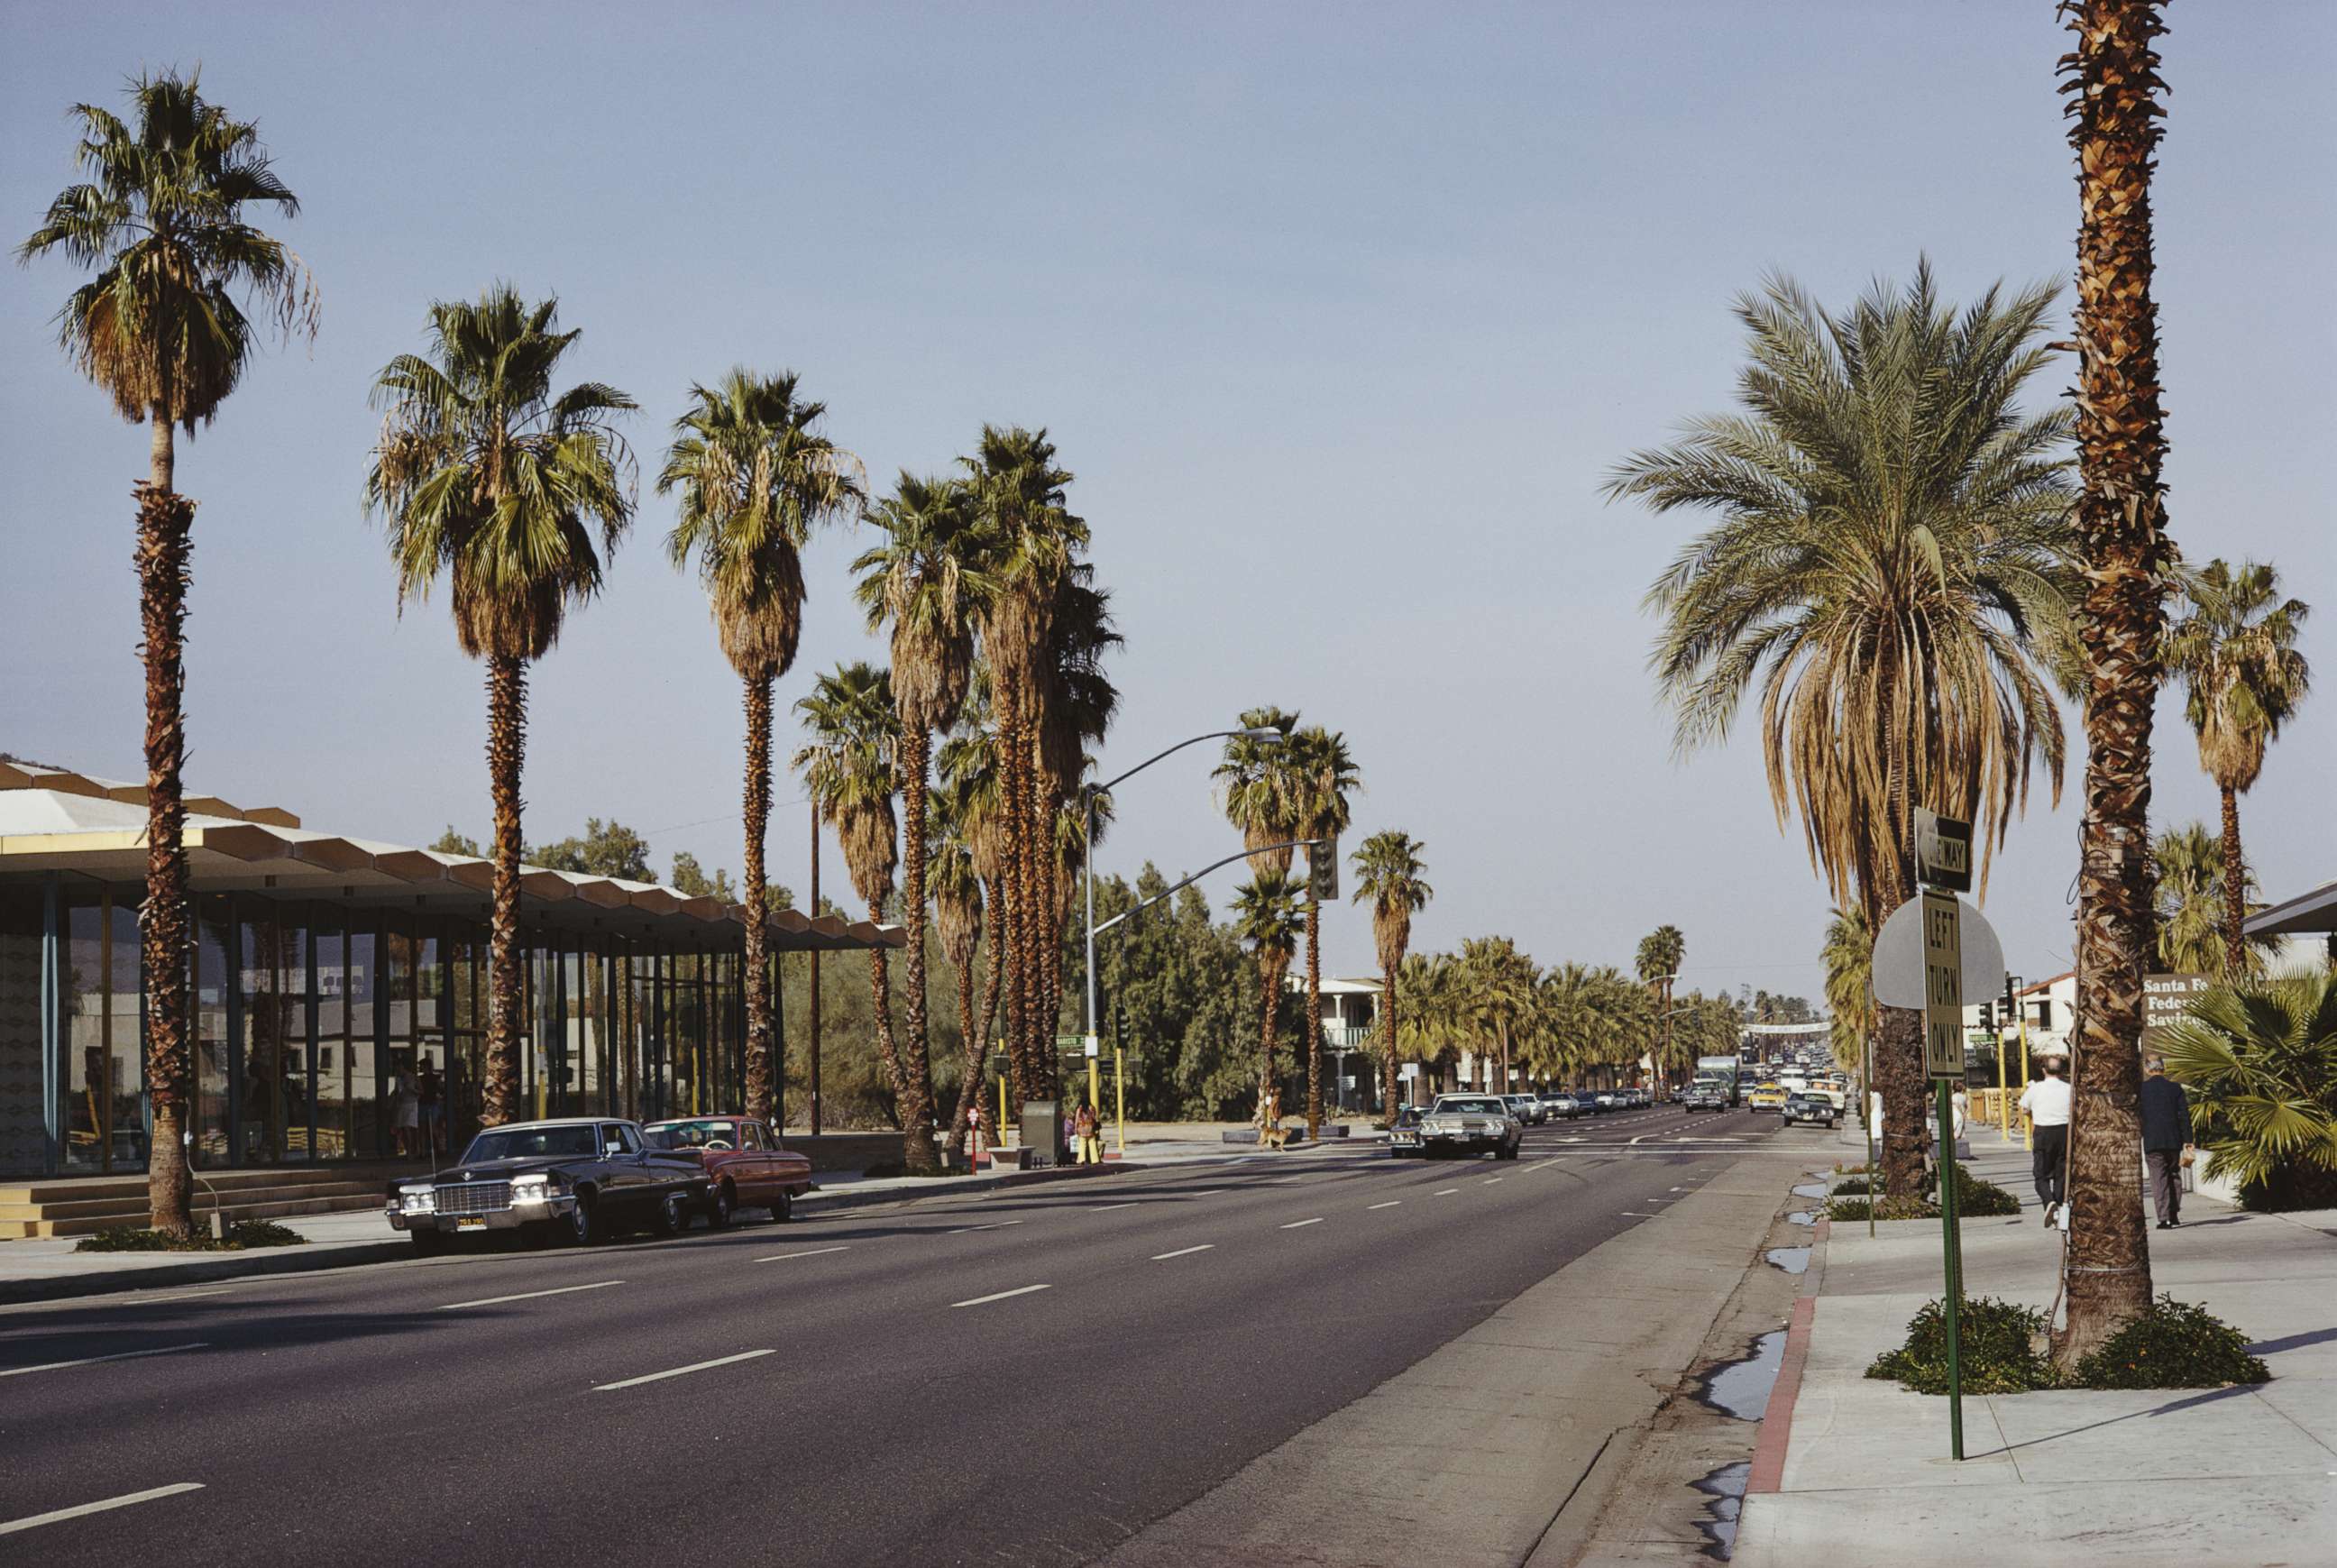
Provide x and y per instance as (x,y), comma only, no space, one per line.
(530,1143)
(1408,1117)
(1463,1105)
(690,1134)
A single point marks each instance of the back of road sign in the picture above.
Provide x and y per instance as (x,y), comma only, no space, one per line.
(1899,979)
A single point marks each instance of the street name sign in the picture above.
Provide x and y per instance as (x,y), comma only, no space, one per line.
(1943,850)
(1943,985)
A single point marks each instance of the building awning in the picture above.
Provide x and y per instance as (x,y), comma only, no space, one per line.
(95,830)
(2302,916)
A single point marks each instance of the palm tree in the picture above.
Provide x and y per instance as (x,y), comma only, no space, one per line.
(1266,921)
(847,767)
(1499,982)
(755,480)
(1891,567)
(2115,117)
(957,922)
(1323,775)
(1848,955)
(1661,953)
(161,225)
(487,475)
(1031,542)
(1391,874)
(1261,790)
(2187,863)
(2261,1062)
(925,583)
(971,805)
(1080,703)
(2243,677)
(1426,1010)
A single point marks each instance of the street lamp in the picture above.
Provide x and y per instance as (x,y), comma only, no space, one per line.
(1265,734)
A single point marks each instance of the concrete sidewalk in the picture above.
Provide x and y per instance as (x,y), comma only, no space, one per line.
(2193,1477)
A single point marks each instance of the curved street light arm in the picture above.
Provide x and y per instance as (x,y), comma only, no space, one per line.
(1148,761)
(1195,876)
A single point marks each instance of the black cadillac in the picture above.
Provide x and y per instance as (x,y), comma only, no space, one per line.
(575,1181)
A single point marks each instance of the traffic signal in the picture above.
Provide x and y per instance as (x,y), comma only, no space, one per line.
(1323,870)
(1987,1016)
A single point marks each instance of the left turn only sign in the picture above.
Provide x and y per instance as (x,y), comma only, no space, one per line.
(1943,985)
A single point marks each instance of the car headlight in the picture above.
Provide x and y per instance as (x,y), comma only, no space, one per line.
(417,1199)
(533,1189)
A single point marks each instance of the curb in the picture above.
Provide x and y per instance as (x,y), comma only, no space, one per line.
(1768,1467)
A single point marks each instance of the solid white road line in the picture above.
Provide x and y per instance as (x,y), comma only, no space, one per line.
(1182,1252)
(1444,1191)
(683,1371)
(994,1225)
(815,1253)
(94,1360)
(1391,1203)
(1301,1224)
(527,1295)
(1001,1295)
(124,1501)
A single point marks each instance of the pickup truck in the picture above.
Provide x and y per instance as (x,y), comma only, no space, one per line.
(745,1166)
(576,1180)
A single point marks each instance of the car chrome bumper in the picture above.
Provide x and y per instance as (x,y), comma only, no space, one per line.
(522,1211)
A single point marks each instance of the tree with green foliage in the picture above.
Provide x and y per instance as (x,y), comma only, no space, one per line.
(517,495)
(607,848)
(1267,922)
(1322,775)
(1661,953)
(1391,876)
(2187,865)
(161,327)
(2260,1059)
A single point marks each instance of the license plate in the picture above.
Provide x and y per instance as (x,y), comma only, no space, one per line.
(470,1224)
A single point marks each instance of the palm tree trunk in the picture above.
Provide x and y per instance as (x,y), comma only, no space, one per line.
(880,1005)
(2120,446)
(2235,892)
(165,543)
(757,960)
(1899,1043)
(1006,934)
(919,1155)
(1269,980)
(1039,1029)
(1313,1019)
(992,972)
(1387,1005)
(974,1049)
(506,737)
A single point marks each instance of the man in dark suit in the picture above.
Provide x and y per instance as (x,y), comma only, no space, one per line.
(2165,1140)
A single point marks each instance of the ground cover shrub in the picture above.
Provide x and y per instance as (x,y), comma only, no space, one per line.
(1996,1340)
(2175,1345)
(242,1236)
(1975,1198)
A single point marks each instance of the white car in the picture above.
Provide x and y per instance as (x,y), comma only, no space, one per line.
(1471,1125)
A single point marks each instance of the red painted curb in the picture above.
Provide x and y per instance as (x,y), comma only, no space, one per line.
(1777,1415)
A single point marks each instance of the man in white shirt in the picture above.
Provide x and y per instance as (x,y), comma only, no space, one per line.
(2045,1104)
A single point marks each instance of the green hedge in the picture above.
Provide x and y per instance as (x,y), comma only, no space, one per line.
(240,1236)
(2174,1345)
(1975,1198)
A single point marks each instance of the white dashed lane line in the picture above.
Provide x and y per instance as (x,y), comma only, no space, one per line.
(1391,1203)
(1491,1180)
(994,1225)
(94,1360)
(681,1371)
(1182,1252)
(1110,1207)
(1302,1224)
(815,1253)
(1001,1295)
(1444,1191)
(528,1294)
(60,1516)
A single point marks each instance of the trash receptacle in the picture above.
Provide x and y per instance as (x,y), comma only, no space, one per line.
(1042,1131)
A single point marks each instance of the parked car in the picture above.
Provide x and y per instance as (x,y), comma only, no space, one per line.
(745,1166)
(1404,1134)
(1811,1109)
(1606,1099)
(578,1180)
(1471,1124)
(1563,1105)
(1526,1108)
(1704,1097)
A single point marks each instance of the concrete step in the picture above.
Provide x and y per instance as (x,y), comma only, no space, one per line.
(134,1204)
(78,1189)
(89,1225)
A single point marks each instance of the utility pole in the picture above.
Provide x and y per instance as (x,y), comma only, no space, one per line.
(815,972)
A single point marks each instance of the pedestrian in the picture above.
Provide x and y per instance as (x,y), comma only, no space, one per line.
(430,1098)
(2166,1141)
(1090,1128)
(2045,1104)
(405,1113)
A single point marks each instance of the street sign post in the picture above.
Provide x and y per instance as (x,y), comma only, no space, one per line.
(1945,863)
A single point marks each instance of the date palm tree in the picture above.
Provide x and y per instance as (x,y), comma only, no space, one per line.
(755,478)
(1266,921)
(1891,567)
(1848,955)
(1661,953)
(2235,654)
(1392,877)
(1261,790)
(1324,774)
(957,922)
(848,768)
(925,582)
(161,328)
(1031,542)
(2116,117)
(517,495)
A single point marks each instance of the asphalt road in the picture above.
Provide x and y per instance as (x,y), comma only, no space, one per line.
(1029,1377)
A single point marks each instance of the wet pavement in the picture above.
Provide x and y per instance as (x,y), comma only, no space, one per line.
(1741,1388)
(1792,1259)
(1725,1488)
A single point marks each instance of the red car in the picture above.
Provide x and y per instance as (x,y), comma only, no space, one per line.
(745,1166)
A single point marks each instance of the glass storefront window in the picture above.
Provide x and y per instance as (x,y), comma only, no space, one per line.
(104,1075)
(214,1066)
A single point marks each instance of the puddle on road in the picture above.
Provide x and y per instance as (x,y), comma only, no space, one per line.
(1792,1259)
(1725,1488)
(1741,1388)
(1802,1216)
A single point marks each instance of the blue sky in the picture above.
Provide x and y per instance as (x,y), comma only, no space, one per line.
(1339,313)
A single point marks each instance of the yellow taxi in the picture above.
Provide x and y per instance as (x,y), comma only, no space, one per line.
(1767,1097)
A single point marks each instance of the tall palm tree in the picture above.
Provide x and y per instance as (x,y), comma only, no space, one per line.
(1079,704)
(972,807)
(1500,981)
(848,768)
(1848,955)
(2243,677)
(1031,542)
(161,327)
(957,921)
(1266,921)
(1891,567)
(1661,953)
(1391,874)
(2187,864)
(517,495)
(1260,789)
(925,582)
(755,479)
(2114,118)
(1323,775)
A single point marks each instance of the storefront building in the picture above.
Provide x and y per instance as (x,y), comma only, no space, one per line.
(341,988)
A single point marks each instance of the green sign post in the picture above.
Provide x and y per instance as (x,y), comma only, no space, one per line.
(1943,862)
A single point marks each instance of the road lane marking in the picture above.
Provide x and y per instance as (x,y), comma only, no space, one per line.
(1182,1252)
(1491,1180)
(1635,1214)
(815,1253)
(94,1360)
(527,1295)
(1444,1191)
(682,1371)
(60,1516)
(1205,1192)
(994,1225)
(1546,1163)
(1110,1207)
(1391,1203)
(1001,1295)
(1301,1224)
